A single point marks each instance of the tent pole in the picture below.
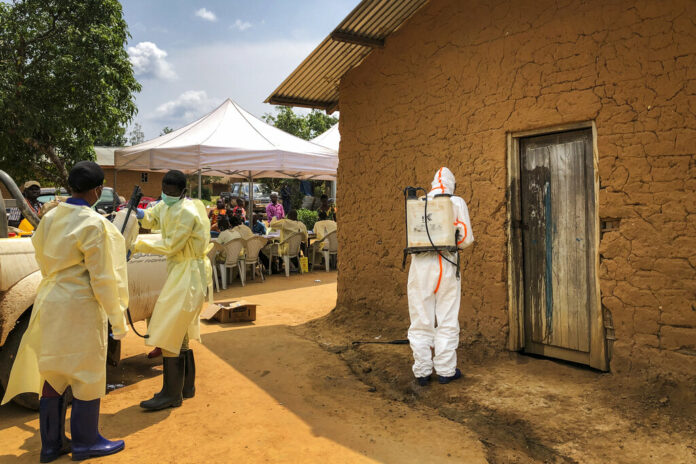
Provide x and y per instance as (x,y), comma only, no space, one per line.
(250,211)
(199,184)
(333,190)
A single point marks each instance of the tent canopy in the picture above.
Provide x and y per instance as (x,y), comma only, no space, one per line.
(230,141)
(330,138)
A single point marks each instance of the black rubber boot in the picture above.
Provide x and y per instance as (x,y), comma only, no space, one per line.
(173,384)
(189,390)
(444,380)
(87,442)
(54,443)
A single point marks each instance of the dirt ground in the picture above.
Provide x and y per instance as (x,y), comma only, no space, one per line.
(291,388)
(264,394)
(527,409)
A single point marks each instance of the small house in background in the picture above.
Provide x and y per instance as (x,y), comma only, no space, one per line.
(571,130)
(149,181)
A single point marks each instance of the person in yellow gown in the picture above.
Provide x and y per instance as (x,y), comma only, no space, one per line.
(82,259)
(185,241)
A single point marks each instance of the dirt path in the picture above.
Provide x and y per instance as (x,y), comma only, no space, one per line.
(264,394)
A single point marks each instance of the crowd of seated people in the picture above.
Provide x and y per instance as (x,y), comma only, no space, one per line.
(231,222)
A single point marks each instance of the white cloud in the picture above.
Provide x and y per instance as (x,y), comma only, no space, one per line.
(186,108)
(206,14)
(248,74)
(149,61)
(241,25)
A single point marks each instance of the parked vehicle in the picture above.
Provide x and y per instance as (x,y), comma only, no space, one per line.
(19,281)
(144,203)
(262,195)
(108,201)
(49,194)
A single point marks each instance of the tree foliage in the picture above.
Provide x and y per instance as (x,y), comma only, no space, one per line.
(136,134)
(166,130)
(65,82)
(306,127)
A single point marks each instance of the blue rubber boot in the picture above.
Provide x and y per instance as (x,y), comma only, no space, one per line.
(87,442)
(54,443)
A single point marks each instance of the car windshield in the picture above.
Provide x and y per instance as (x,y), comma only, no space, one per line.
(258,189)
(106,196)
(45,198)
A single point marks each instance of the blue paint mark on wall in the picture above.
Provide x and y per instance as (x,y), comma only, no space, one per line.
(549,259)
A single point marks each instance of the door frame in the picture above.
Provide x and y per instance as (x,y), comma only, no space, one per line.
(515,268)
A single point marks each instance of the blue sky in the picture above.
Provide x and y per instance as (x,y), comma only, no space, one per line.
(189,55)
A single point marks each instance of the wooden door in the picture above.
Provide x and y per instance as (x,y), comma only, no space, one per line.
(558,245)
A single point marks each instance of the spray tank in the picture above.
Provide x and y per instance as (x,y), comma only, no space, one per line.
(429,225)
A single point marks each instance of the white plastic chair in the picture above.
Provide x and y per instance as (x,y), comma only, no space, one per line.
(232,250)
(212,256)
(293,242)
(330,249)
(251,258)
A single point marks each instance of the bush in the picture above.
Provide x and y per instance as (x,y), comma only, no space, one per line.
(205,193)
(308,217)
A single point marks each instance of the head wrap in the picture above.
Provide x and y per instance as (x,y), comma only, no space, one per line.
(85,176)
(443,182)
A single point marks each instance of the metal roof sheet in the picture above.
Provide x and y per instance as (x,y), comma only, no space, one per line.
(314,83)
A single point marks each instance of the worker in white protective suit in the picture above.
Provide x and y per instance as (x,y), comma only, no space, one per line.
(185,241)
(434,294)
(82,258)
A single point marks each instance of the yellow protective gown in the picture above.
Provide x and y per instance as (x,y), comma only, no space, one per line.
(82,258)
(288,227)
(185,242)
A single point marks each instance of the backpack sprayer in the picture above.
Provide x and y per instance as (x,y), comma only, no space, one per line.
(133,203)
(429,225)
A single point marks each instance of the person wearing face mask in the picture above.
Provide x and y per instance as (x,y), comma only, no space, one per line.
(82,258)
(185,241)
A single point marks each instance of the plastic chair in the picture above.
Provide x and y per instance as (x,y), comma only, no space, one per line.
(331,249)
(212,256)
(232,251)
(251,258)
(293,242)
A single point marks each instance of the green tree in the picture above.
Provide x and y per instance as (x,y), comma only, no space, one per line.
(65,82)
(118,139)
(306,127)
(166,130)
(136,134)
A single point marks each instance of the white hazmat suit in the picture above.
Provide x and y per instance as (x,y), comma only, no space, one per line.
(434,293)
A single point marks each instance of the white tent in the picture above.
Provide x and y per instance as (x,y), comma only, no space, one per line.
(230,141)
(330,138)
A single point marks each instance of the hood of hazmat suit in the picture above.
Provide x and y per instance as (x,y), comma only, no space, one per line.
(185,241)
(82,258)
(434,292)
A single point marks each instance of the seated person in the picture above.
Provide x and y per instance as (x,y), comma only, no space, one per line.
(259,227)
(225,231)
(240,228)
(287,227)
(239,210)
(323,227)
(327,208)
(216,213)
(233,229)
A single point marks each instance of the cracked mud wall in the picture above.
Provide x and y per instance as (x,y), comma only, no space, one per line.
(446,89)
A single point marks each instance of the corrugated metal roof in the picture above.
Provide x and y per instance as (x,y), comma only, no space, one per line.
(314,84)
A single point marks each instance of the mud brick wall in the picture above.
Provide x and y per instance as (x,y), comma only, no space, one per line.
(126,180)
(457,77)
